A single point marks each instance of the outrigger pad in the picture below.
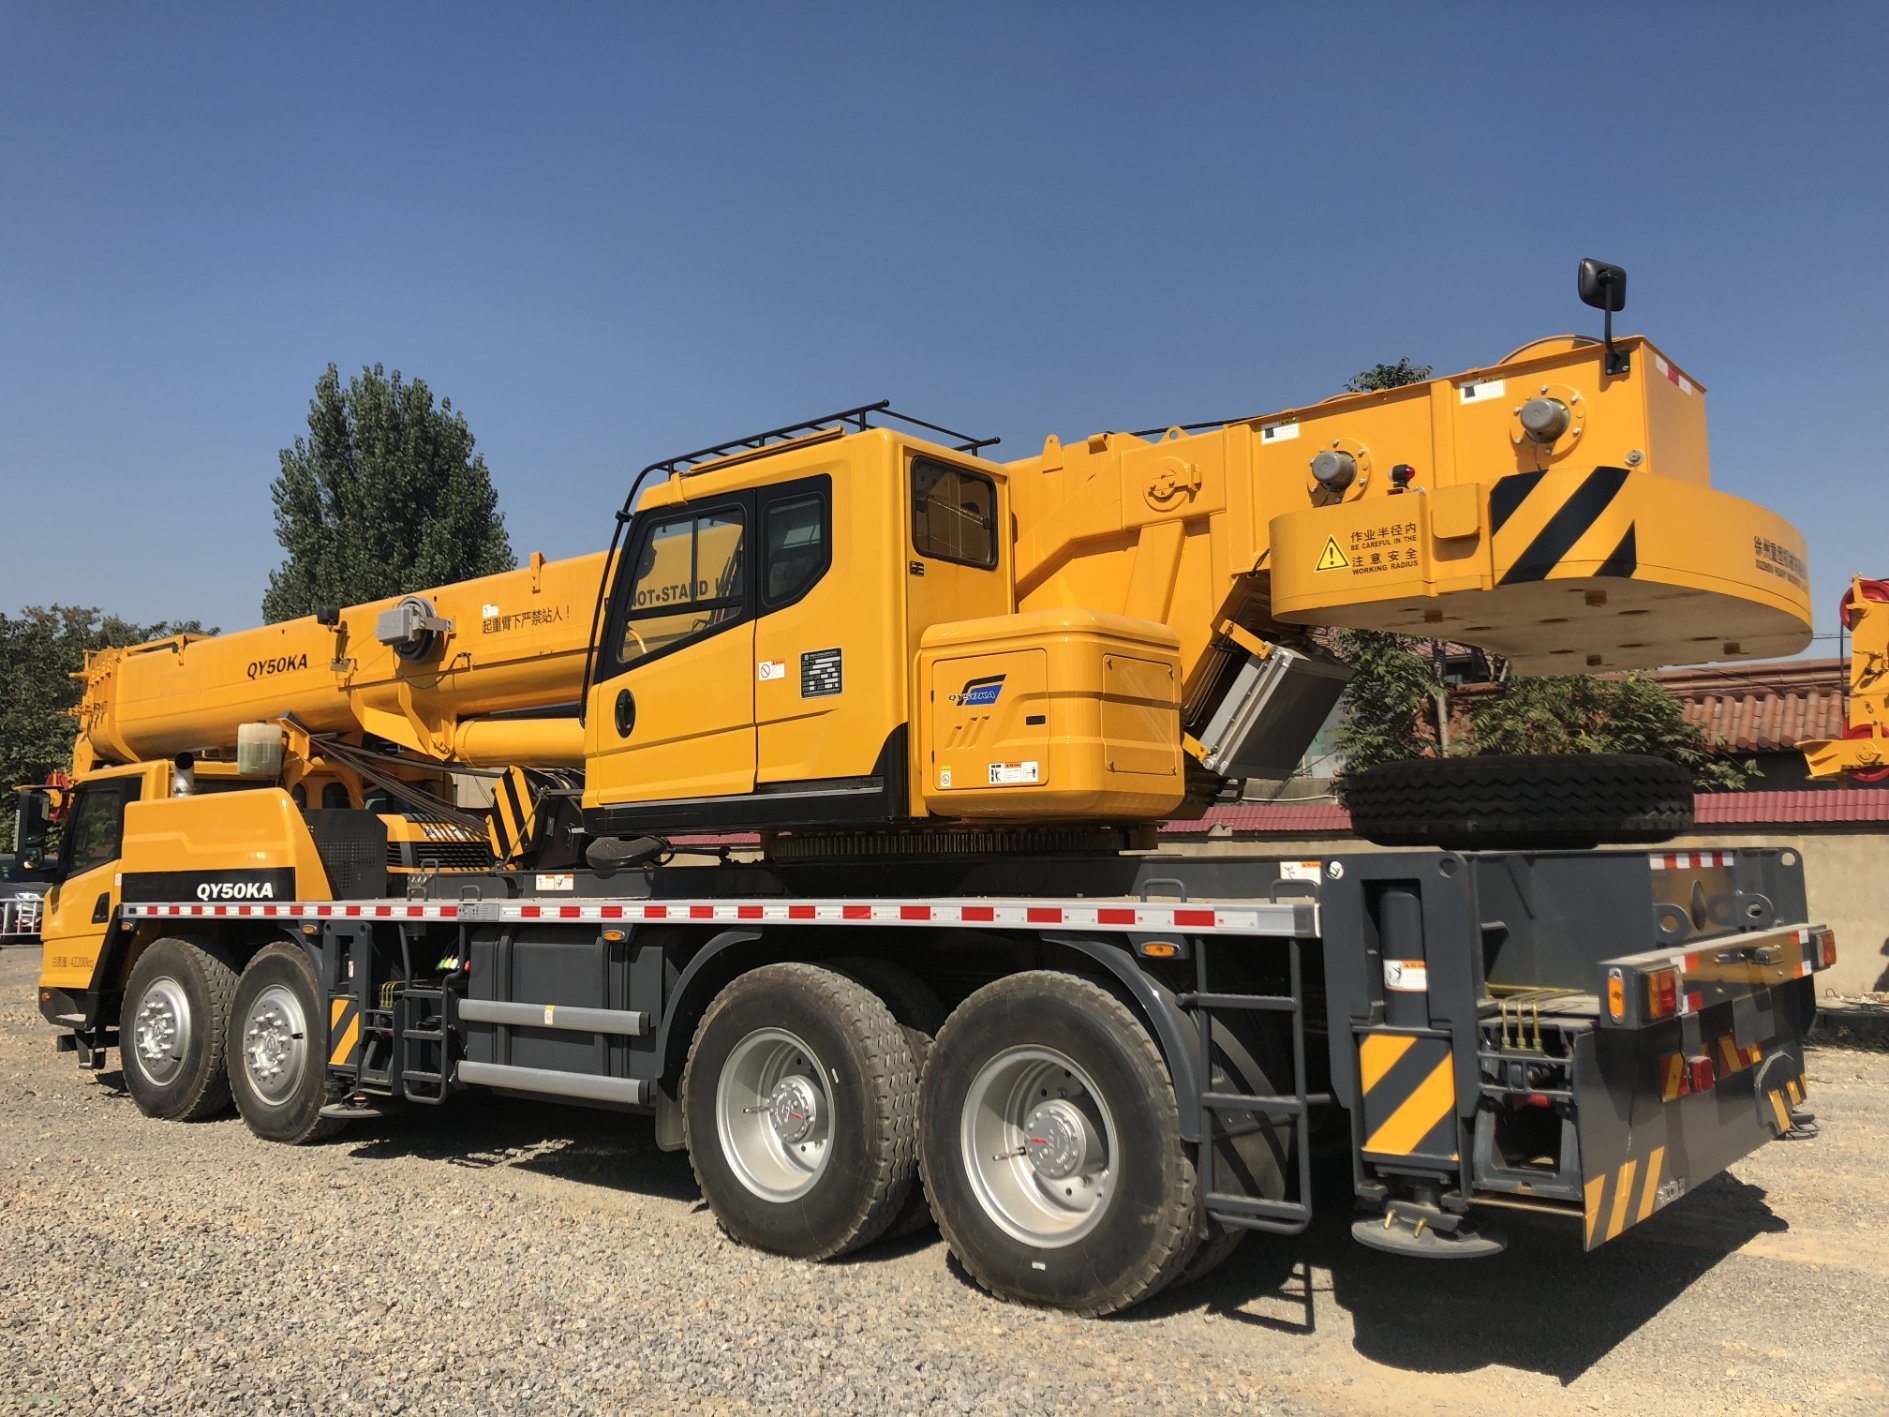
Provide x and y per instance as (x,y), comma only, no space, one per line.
(1413,1231)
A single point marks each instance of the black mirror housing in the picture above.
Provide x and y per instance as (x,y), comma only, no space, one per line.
(1603,286)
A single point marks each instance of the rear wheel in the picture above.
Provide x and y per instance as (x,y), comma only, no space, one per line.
(1051,1147)
(171,1030)
(278,1071)
(915,1005)
(799,1108)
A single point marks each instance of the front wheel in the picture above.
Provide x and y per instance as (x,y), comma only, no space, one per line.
(277,1048)
(1051,1147)
(171,1032)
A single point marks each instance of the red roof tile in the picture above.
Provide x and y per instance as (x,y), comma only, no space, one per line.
(1807,806)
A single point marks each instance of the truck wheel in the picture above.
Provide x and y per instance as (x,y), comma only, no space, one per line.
(1051,1148)
(800,1111)
(171,1030)
(916,1007)
(277,1067)
(1520,803)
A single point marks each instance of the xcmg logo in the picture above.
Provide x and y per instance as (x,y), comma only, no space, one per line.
(236,890)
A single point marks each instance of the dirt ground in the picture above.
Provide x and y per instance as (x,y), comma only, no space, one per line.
(496,1256)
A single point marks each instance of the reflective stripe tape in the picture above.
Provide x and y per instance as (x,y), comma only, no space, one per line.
(1377,1054)
(344,1031)
(1649,1191)
(1623,1192)
(1778,1111)
(1416,1117)
(1691,860)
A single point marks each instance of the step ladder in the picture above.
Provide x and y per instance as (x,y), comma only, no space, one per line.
(425,1049)
(1284,1217)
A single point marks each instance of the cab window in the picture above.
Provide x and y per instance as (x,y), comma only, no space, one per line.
(690,579)
(797,548)
(96,829)
(954,514)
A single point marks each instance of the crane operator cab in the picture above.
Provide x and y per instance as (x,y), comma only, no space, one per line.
(825,634)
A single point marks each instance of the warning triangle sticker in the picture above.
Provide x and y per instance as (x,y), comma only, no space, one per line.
(1331,558)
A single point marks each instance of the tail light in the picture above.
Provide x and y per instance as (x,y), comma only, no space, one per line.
(1827,948)
(1662,993)
(1616,995)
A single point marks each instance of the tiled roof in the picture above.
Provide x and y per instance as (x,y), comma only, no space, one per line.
(1805,807)
(1754,708)
(1764,708)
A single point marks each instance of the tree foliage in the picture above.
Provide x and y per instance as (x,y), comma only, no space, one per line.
(1579,713)
(1386,710)
(1387,376)
(384,496)
(40,648)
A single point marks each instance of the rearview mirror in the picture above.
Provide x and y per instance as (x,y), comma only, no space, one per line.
(32,824)
(1603,286)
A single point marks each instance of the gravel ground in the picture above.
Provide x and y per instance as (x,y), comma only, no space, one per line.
(500,1256)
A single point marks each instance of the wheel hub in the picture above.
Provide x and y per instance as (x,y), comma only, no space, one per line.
(275,1043)
(161,1032)
(793,1109)
(1059,1140)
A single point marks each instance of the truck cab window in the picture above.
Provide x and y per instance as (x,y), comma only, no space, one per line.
(954,514)
(690,580)
(797,550)
(97,827)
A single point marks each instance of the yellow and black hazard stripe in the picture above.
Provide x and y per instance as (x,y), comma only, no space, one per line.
(344,1031)
(513,817)
(1784,1100)
(1538,521)
(1733,1059)
(1623,1196)
(1409,1086)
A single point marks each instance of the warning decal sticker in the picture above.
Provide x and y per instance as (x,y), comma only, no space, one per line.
(1331,558)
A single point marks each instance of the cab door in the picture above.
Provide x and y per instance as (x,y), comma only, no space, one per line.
(672,713)
(81,909)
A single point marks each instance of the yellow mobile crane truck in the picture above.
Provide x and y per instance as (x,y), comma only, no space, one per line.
(952,694)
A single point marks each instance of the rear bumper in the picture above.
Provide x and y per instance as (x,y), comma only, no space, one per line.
(1663,1108)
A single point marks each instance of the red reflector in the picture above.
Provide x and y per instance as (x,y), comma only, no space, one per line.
(1827,948)
(1699,1073)
(1662,993)
(1695,1000)
(1538,1099)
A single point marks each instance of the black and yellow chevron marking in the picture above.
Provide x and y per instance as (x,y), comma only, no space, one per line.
(1623,1196)
(344,1031)
(1539,520)
(513,817)
(1409,1085)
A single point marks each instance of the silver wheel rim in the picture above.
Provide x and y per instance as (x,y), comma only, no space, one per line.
(1040,1146)
(162,1029)
(774,1115)
(275,1043)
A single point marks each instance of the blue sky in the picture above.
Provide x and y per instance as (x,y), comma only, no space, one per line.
(614,232)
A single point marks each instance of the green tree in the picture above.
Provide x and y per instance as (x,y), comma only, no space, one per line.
(1579,713)
(1389,706)
(1387,376)
(40,648)
(384,496)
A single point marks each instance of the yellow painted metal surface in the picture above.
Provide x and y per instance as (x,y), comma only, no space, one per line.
(517,643)
(1865,752)
(1050,715)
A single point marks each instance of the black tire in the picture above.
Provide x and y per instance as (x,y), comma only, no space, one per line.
(1520,803)
(916,1006)
(1132,1240)
(179,990)
(278,1048)
(868,1091)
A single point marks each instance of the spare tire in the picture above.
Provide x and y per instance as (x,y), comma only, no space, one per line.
(1520,803)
